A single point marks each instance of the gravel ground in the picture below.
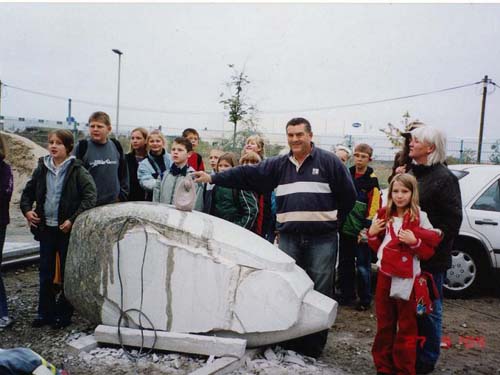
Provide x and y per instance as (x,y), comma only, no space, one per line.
(470,329)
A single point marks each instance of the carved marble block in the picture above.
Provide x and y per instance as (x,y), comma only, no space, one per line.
(188,272)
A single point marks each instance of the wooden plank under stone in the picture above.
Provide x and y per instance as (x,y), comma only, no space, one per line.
(171,341)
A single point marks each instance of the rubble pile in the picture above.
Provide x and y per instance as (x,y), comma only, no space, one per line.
(278,361)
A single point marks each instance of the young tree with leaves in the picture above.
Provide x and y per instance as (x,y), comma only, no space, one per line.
(239,110)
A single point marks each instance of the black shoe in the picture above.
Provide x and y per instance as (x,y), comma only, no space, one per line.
(60,323)
(362,307)
(40,322)
(423,368)
(346,302)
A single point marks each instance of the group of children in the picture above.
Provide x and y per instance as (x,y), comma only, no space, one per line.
(399,236)
(94,172)
(157,174)
(67,182)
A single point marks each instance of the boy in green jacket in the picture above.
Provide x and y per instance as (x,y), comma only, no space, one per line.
(355,255)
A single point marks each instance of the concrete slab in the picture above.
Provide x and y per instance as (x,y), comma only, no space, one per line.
(176,342)
(17,251)
(83,344)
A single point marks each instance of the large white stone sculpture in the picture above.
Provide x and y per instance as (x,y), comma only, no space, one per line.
(188,272)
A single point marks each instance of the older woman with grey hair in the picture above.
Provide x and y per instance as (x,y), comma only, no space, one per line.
(343,153)
(439,195)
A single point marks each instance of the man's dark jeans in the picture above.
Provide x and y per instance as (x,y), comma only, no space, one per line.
(316,254)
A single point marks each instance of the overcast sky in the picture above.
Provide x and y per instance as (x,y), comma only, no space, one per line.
(298,57)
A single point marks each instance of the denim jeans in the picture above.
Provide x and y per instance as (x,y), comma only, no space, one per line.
(51,241)
(316,254)
(354,269)
(4,311)
(430,327)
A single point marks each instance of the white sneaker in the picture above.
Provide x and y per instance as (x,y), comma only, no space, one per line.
(6,322)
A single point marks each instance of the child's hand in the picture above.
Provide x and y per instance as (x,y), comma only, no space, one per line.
(362,236)
(406,236)
(32,218)
(66,226)
(378,225)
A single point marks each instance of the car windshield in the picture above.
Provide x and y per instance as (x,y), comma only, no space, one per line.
(459,174)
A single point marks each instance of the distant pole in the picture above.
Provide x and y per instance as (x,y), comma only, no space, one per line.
(481,124)
(119,53)
(68,119)
(71,121)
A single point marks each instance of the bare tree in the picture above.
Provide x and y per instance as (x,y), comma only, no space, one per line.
(236,103)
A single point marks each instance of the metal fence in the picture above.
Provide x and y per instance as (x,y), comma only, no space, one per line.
(464,150)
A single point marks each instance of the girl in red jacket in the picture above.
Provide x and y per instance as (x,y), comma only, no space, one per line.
(401,234)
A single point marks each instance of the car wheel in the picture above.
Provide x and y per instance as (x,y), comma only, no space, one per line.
(467,269)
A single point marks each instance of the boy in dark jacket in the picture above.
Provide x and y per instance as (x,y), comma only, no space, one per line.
(355,255)
(61,189)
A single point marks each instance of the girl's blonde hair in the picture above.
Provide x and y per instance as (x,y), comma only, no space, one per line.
(260,142)
(144,133)
(409,182)
(250,157)
(229,157)
(159,134)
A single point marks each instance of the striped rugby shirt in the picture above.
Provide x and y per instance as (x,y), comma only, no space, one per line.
(310,198)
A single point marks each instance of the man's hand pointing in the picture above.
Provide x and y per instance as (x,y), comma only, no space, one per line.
(202,177)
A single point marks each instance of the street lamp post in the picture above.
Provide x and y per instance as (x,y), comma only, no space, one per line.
(119,53)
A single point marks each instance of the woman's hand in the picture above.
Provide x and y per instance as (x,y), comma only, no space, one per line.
(33,219)
(66,226)
(378,225)
(401,169)
(406,236)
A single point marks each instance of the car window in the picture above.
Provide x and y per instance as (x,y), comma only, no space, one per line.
(459,174)
(490,199)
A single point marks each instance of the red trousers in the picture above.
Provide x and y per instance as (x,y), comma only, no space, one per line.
(394,348)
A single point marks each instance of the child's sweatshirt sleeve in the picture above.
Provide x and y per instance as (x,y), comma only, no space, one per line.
(249,209)
(145,176)
(199,200)
(374,202)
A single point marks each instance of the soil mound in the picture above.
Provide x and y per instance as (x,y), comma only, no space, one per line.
(22,156)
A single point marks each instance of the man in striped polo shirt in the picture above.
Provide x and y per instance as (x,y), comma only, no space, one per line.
(314,192)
